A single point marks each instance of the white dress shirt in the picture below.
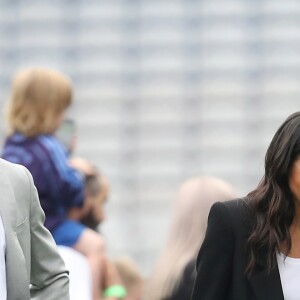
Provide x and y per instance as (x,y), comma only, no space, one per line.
(80,274)
(3,292)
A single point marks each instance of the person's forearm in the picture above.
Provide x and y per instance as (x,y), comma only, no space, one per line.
(110,275)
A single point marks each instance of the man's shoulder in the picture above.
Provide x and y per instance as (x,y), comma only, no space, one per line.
(8,167)
(14,172)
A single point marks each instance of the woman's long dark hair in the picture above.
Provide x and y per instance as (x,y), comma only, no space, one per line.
(272,201)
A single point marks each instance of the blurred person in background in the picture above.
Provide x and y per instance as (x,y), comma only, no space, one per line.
(39,100)
(92,214)
(251,248)
(174,274)
(131,277)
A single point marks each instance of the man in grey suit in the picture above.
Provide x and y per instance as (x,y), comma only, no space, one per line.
(30,266)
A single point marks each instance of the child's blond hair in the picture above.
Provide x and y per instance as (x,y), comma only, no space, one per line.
(39,96)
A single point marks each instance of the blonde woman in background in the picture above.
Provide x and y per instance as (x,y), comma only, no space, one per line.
(174,274)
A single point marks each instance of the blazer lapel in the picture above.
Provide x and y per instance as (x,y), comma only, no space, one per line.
(265,284)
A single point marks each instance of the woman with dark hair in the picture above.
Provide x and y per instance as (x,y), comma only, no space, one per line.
(252,245)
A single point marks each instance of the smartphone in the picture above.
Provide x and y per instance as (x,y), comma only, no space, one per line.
(67,134)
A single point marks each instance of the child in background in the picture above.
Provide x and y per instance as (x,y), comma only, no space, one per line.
(39,101)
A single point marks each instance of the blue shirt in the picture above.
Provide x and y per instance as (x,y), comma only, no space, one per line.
(60,186)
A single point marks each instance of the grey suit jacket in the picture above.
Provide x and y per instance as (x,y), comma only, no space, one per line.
(34,269)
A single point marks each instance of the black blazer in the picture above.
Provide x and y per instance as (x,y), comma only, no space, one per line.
(185,287)
(222,259)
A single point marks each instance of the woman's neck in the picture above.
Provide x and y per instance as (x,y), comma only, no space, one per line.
(295,237)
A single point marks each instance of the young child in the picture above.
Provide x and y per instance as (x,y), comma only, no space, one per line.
(40,98)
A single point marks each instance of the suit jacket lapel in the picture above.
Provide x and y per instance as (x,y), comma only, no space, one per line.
(265,284)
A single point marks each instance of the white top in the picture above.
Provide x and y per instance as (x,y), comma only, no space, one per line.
(3,292)
(80,274)
(289,270)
